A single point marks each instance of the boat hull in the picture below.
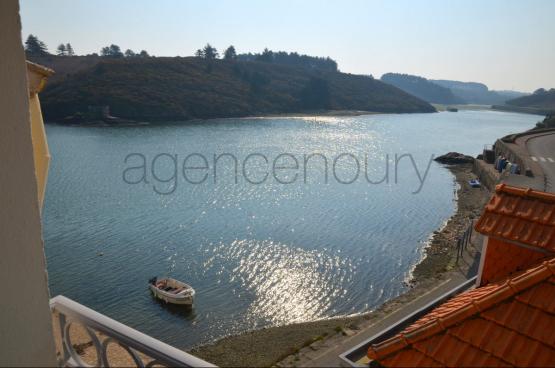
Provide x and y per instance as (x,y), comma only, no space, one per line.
(169,297)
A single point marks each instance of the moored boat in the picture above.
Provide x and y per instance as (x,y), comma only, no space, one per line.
(172,291)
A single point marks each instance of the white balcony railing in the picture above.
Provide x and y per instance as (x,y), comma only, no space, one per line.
(104,331)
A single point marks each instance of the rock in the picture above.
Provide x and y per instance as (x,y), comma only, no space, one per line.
(454,158)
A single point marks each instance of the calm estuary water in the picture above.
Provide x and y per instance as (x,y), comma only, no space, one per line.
(261,254)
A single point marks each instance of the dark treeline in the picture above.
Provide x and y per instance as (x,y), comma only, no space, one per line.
(292,59)
(268,56)
(36,47)
(548,122)
(114,51)
(541,99)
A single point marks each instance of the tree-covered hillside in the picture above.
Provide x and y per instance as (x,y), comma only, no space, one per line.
(187,88)
(477,93)
(449,91)
(540,99)
(292,59)
(422,88)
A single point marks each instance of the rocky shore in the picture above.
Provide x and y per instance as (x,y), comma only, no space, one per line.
(281,345)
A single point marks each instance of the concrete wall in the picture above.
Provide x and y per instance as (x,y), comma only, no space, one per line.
(532,175)
(486,173)
(513,153)
(25,320)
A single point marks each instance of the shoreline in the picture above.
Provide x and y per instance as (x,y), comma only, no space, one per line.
(439,251)
(283,343)
(318,113)
(323,113)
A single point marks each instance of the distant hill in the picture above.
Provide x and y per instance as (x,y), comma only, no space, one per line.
(509,95)
(541,99)
(187,88)
(448,91)
(477,93)
(422,88)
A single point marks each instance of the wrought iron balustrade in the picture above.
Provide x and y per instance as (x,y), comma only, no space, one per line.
(145,351)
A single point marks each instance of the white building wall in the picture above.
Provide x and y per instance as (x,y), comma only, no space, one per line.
(25,319)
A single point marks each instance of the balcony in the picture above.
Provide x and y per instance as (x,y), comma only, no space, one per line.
(104,332)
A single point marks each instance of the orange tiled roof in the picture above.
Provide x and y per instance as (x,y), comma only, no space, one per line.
(503,259)
(502,324)
(521,215)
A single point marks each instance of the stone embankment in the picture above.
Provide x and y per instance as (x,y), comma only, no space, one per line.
(485,172)
(514,148)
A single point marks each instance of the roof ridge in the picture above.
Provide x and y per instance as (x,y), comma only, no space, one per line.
(41,69)
(524,192)
(505,290)
(523,216)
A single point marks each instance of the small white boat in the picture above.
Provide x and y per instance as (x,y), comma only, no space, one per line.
(474,183)
(172,291)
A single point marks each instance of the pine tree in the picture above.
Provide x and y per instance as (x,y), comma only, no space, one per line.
(230,53)
(69,50)
(34,46)
(61,50)
(267,56)
(210,52)
(112,51)
(115,51)
(129,53)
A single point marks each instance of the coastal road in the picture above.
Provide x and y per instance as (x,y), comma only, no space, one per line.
(542,151)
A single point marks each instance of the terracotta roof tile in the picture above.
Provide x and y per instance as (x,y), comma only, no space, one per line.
(528,320)
(505,343)
(508,323)
(451,305)
(541,297)
(503,259)
(453,352)
(521,215)
(410,358)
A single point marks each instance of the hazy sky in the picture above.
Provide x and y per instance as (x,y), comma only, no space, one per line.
(505,44)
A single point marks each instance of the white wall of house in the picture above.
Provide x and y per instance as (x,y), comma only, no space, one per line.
(25,319)
(482,261)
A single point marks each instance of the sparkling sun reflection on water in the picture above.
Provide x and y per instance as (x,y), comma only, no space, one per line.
(288,284)
(257,255)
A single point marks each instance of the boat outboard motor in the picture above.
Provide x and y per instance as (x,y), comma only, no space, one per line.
(153,280)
